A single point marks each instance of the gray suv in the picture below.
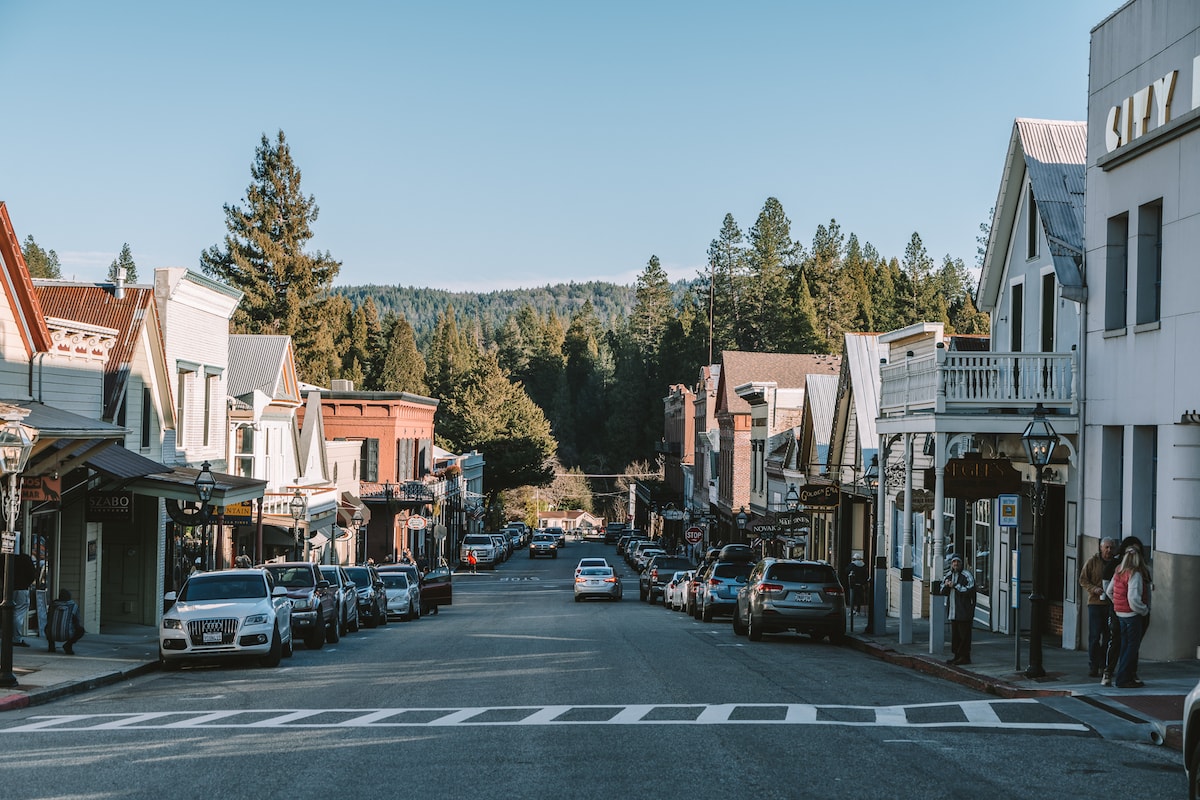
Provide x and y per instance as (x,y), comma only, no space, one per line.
(783,594)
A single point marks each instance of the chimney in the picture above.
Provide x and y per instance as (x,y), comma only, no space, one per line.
(119,283)
(340,385)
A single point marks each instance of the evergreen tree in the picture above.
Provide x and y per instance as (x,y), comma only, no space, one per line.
(123,261)
(452,356)
(772,260)
(725,279)
(286,290)
(833,299)
(40,263)
(403,367)
(652,309)
(919,297)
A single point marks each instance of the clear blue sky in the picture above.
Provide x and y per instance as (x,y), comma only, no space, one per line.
(481,145)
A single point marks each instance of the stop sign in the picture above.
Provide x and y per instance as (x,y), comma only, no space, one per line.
(693,534)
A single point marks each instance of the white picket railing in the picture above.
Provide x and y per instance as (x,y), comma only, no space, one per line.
(950,381)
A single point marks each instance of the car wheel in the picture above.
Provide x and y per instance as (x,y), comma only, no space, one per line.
(168,664)
(354,626)
(706,614)
(1193,773)
(650,598)
(343,625)
(739,628)
(373,620)
(382,613)
(577,598)
(332,634)
(289,648)
(271,659)
(315,640)
(753,632)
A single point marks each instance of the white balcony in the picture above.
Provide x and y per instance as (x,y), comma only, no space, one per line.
(957,382)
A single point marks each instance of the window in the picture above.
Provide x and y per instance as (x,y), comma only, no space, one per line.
(122,415)
(181,429)
(1149,263)
(370,460)
(1032,229)
(1112,462)
(147,415)
(1116,272)
(243,447)
(210,382)
(1016,316)
(1049,301)
(1144,507)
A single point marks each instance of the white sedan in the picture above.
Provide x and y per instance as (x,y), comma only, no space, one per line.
(228,613)
(676,589)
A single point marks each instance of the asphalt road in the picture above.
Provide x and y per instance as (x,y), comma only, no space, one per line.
(517,691)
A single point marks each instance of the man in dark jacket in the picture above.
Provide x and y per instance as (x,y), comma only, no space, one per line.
(959,588)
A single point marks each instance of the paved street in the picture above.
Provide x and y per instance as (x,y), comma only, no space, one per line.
(517,691)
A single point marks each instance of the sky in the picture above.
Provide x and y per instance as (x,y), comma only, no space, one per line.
(473,146)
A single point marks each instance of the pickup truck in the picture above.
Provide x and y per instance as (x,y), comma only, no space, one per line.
(483,546)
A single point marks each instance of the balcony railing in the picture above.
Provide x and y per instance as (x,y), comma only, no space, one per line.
(964,382)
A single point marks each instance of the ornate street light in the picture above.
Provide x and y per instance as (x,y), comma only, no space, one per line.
(793,498)
(297,506)
(741,519)
(1039,440)
(15,447)
(205,483)
(360,536)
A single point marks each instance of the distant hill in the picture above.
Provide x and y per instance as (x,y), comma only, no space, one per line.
(421,307)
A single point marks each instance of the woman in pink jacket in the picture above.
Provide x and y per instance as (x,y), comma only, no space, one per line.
(1130,593)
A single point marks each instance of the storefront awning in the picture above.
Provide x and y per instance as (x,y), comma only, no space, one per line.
(179,483)
(346,508)
(59,434)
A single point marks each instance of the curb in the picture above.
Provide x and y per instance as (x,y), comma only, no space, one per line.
(37,697)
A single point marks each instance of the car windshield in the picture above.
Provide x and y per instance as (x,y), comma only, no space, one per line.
(292,577)
(394,580)
(735,572)
(360,575)
(477,538)
(543,537)
(800,573)
(221,587)
(597,572)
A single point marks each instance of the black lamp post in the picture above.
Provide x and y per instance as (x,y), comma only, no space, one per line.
(360,536)
(742,518)
(296,506)
(15,447)
(871,480)
(1039,440)
(204,484)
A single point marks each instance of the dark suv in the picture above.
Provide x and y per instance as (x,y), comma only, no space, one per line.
(656,574)
(314,602)
(783,594)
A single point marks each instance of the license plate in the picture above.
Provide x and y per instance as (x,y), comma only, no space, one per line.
(806,597)
(212,638)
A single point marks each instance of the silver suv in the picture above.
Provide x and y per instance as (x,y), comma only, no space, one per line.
(783,594)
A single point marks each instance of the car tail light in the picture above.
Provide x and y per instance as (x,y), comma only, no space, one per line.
(610,580)
(833,590)
(579,579)
(770,588)
(654,574)
(714,581)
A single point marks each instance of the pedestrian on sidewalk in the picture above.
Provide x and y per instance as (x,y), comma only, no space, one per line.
(1091,579)
(64,624)
(959,588)
(1130,592)
(472,560)
(856,580)
(24,574)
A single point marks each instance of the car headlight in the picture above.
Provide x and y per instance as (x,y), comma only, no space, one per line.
(172,624)
(258,619)
(302,604)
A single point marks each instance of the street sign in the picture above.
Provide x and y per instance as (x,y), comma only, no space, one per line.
(693,534)
(416,523)
(8,542)
(1008,510)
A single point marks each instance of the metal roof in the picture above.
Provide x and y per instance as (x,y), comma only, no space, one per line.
(863,352)
(258,362)
(787,370)
(820,395)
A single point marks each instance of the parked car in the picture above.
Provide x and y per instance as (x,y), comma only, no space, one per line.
(482,546)
(314,601)
(698,579)
(372,595)
(623,542)
(590,562)
(416,587)
(613,532)
(675,590)
(437,589)
(718,593)
(558,533)
(228,613)
(632,549)
(401,595)
(503,545)
(597,582)
(784,594)
(1191,741)
(347,597)
(643,556)
(543,544)
(659,569)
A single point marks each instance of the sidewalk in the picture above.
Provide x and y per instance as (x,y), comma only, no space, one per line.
(994,669)
(115,654)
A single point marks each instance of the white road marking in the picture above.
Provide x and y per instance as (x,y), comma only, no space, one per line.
(974,714)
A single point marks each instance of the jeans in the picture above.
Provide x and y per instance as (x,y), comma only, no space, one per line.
(20,598)
(1132,629)
(1097,636)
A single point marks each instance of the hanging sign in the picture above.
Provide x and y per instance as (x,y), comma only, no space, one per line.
(821,496)
(973,478)
(41,489)
(416,523)
(1009,510)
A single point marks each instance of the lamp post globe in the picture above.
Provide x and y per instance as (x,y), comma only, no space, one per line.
(1039,441)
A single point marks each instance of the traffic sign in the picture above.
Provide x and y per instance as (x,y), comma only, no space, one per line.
(693,534)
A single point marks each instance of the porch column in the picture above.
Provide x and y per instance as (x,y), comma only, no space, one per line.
(906,565)
(937,603)
(879,587)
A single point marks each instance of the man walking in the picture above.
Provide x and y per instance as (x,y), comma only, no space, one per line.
(959,587)
(1091,579)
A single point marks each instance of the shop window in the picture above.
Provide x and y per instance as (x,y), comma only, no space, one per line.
(1116,272)
(1149,263)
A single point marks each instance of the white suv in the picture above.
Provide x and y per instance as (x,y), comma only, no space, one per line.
(232,612)
(484,548)
(1191,741)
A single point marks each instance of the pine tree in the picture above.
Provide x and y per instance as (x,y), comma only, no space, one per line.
(403,367)
(123,261)
(652,308)
(772,260)
(40,263)
(263,255)
(726,283)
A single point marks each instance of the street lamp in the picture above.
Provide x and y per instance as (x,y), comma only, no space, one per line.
(360,536)
(297,506)
(871,480)
(1039,440)
(742,518)
(15,447)
(793,498)
(204,484)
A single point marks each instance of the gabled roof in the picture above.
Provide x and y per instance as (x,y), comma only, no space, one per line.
(1054,156)
(18,289)
(787,370)
(96,304)
(820,398)
(263,363)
